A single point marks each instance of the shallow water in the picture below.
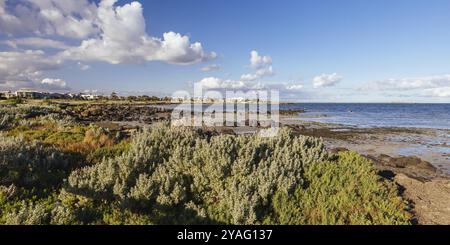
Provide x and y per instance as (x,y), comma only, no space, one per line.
(360,115)
(376,115)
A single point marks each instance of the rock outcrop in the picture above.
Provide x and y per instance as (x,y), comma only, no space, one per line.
(118,113)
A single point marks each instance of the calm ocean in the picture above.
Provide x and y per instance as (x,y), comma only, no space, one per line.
(368,115)
(376,115)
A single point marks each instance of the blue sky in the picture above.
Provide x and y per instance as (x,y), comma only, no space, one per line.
(356,51)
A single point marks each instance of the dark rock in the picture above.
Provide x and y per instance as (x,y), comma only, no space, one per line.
(387,174)
(338,149)
(410,162)
(120,113)
(227,131)
(411,166)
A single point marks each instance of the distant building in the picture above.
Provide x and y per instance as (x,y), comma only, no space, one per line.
(74,96)
(29,94)
(7,94)
(26,93)
(89,96)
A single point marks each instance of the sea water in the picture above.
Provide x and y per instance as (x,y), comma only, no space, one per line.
(375,115)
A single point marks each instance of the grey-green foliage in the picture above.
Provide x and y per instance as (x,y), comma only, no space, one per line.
(344,191)
(27,214)
(26,111)
(12,115)
(62,215)
(6,121)
(60,122)
(218,178)
(31,163)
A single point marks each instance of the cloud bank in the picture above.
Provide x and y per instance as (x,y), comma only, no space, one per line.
(326,80)
(105,32)
(402,84)
(123,39)
(25,66)
(427,86)
(208,68)
(262,66)
(54,84)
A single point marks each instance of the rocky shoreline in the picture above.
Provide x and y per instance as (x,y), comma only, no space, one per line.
(404,155)
(117,113)
(421,173)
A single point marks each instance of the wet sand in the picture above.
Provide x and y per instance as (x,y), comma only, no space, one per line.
(431,145)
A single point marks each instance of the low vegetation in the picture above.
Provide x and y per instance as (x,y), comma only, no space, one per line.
(57,170)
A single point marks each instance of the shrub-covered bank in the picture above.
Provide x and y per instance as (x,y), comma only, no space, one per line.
(54,170)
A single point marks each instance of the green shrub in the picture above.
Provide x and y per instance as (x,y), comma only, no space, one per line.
(13,101)
(32,164)
(63,138)
(222,178)
(179,175)
(6,121)
(25,111)
(176,175)
(19,206)
(28,214)
(108,152)
(346,191)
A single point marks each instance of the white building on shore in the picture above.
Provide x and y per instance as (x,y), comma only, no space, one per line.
(7,94)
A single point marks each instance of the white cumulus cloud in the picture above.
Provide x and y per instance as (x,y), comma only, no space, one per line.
(439,92)
(257,61)
(104,31)
(83,66)
(249,77)
(212,67)
(262,66)
(67,18)
(36,42)
(294,87)
(326,80)
(123,40)
(402,84)
(25,66)
(210,83)
(54,84)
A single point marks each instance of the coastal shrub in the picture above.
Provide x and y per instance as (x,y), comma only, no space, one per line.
(42,127)
(63,138)
(27,214)
(21,206)
(63,132)
(6,121)
(29,117)
(31,163)
(26,111)
(13,101)
(74,209)
(178,175)
(220,178)
(108,152)
(50,121)
(94,138)
(97,137)
(346,191)
(183,176)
